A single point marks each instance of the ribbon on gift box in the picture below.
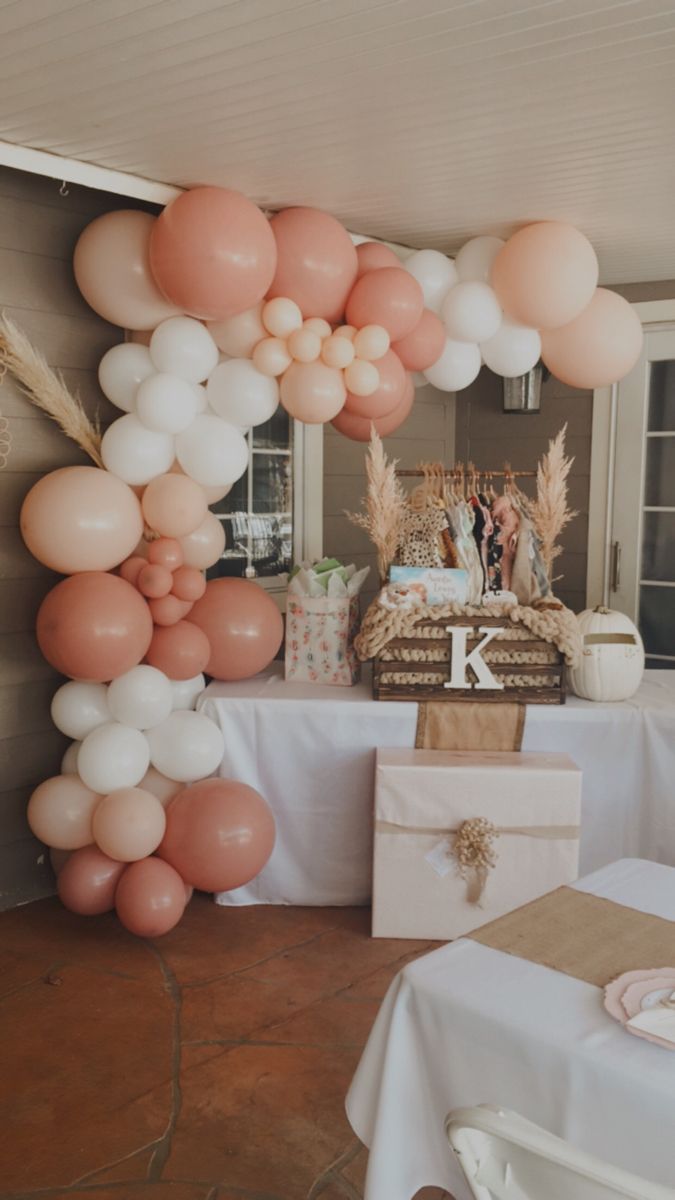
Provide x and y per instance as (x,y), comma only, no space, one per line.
(472,844)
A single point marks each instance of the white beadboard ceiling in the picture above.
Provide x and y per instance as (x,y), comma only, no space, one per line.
(422,122)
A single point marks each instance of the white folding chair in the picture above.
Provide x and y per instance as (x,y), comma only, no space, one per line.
(505,1157)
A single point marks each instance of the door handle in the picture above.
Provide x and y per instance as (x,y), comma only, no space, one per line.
(616,566)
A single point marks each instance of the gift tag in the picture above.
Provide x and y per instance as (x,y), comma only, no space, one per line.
(439,857)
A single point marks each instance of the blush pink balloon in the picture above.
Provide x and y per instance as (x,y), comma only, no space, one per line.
(129,824)
(390,297)
(219,834)
(150,898)
(599,347)
(423,346)
(173,505)
(169,610)
(112,270)
(131,568)
(154,581)
(389,393)
(166,552)
(94,627)
(242,625)
(359,428)
(373,257)
(87,882)
(188,584)
(213,253)
(181,651)
(316,262)
(204,546)
(313,392)
(545,275)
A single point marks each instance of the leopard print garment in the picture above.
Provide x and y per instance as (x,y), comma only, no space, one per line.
(421,542)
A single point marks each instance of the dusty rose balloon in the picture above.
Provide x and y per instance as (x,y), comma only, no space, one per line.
(213,253)
(390,297)
(166,552)
(150,898)
(80,519)
(181,651)
(169,610)
(205,545)
(128,824)
(243,626)
(94,627)
(236,336)
(373,257)
(219,834)
(112,270)
(598,348)
(173,505)
(423,346)
(154,581)
(88,880)
(388,394)
(316,263)
(271,357)
(188,584)
(545,274)
(359,428)
(60,812)
(312,392)
(131,568)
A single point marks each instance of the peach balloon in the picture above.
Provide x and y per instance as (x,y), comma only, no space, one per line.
(271,357)
(181,651)
(212,494)
(313,392)
(281,317)
(243,626)
(154,581)
(213,253)
(169,610)
(166,552)
(238,335)
(316,263)
(387,396)
(337,352)
(160,786)
(359,428)
(346,331)
(131,568)
(304,346)
(80,519)
(545,274)
(60,812)
(205,545)
(372,256)
(112,270)
(188,584)
(94,627)
(128,824)
(390,297)
(600,347)
(219,834)
(150,898)
(318,325)
(371,342)
(87,882)
(423,346)
(361,378)
(173,505)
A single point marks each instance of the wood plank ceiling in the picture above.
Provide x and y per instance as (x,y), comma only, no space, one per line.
(418,121)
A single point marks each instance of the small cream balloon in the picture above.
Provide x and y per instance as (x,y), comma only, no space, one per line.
(281,317)
(318,325)
(337,352)
(362,378)
(304,346)
(346,331)
(271,357)
(371,343)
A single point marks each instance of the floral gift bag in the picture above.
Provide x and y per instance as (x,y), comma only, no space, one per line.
(320,632)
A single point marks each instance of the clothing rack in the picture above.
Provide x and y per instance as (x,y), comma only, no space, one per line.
(453,472)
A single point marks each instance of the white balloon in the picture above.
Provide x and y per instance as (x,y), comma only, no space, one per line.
(435,273)
(457,367)
(514,350)
(166,403)
(201,397)
(187,746)
(69,760)
(184,347)
(120,372)
(161,787)
(134,453)
(142,697)
(77,708)
(470,312)
(185,691)
(476,257)
(211,451)
(113,756)
(240,394)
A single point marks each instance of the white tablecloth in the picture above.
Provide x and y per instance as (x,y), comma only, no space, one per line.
(469,1025)
(310,751)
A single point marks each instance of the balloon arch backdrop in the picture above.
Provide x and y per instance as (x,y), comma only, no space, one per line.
(229,314)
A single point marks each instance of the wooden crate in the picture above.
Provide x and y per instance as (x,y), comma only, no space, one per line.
(431,637)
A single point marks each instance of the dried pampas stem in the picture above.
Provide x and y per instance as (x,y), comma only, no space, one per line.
(46,389)
(550,513)
(384,505)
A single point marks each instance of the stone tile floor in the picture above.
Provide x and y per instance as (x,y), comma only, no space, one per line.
(210,1064)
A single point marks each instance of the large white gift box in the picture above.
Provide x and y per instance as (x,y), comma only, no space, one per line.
(462,837)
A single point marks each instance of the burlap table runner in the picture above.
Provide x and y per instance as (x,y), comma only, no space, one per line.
(469,725)
(585,936)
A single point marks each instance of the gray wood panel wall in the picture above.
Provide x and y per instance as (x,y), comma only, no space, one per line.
(38,231)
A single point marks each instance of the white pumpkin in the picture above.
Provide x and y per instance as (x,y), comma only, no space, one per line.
(613,657)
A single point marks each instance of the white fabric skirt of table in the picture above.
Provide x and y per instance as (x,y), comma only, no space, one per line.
(469,1025)
(310,751)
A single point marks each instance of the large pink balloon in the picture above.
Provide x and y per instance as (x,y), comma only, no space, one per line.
(243,625)
(112,270)
(94,627)
(390,297)
(316,264)
(219,834)
(87,882)
(373,256)
(598,348)
(150,898)
(213,253)
(180,650)
(545,274)
(423,346)
(359,428)
(81,519)
(389,393)
(313,392)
